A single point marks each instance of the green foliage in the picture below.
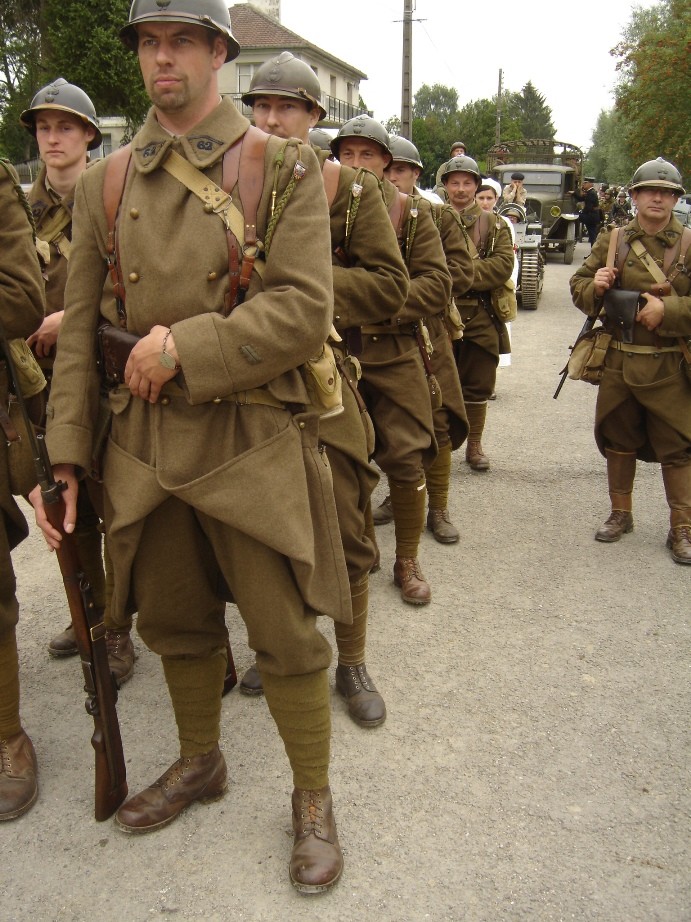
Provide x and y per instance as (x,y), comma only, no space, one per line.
(535,116)
(440,101)
(609,158)
(393,124)
(653,97)
(20,71)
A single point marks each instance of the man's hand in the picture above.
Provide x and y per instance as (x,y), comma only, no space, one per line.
(652,314)
(603,280)
(65,473)
(144,374)
(45,338)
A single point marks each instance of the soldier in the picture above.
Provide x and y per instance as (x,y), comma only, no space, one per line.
(591,215)
(212,466)
(370,285)
(393,374)
(21,311)
(450,420)
(484,335)
(644,400)
(63,120)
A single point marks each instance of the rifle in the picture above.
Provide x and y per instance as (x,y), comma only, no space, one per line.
(587,326)
(89,629)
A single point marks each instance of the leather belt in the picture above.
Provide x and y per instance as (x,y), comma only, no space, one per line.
(392,329)
(642,350)
(256,395)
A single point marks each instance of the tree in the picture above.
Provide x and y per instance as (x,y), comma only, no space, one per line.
(20,57)
(653,97)
(479,123)
(438,100)
(609,158)
(535,116)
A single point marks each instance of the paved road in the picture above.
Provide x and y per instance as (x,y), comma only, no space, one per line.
(535,760)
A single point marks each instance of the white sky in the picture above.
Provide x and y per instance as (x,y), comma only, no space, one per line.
(561,45)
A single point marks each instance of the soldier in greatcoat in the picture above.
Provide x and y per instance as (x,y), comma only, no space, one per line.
(370,284)
(21,312)
(212,467)
(643,407)
(485,336)
(394,382)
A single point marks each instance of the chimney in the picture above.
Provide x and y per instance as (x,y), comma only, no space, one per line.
(269,7)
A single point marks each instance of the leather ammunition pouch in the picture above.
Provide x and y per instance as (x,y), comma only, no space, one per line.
(621,307)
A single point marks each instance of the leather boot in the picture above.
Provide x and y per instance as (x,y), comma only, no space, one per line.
(677,481)
(439,523)
(365,704)
(316,862)
(63,644)
(120,655)
(383,514)
(474,455)
(191,778)
(251,683)
(18,771)
(621,471)
(407,575)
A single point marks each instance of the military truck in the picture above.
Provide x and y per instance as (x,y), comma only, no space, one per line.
(552,171)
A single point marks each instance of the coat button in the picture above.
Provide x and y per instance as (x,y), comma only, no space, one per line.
(375,339)
(134,213)
(133,276)
(165,401)
(211,277)
(216,400)
(301,425)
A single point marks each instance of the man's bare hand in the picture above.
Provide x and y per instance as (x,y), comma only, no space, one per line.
(44,339)
(65,473)
(652,314)
(144,374)
(604,279)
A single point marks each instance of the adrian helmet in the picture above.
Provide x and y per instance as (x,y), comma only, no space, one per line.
(657,174)
(456,145)
(286,75)
(320,138)
(405,151)
(212,14)
(65,97)
(362,126)
(513,209)
(461,165)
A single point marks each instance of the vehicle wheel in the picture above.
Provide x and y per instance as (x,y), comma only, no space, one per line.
(530,273)
(568,252)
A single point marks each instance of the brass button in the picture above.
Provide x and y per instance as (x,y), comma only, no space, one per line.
(208,207)
(216,400)
(134,213)
(375,339)
(629,262)
(133,276)
(211,277)
(165,401)
(301,425)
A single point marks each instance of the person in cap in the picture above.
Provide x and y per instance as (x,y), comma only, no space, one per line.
(394,382)
(63,120)
(515,191)
(450,420)
(22,303)
(591,213)
(643,409)
(485,336)
(212,471)
(370,285)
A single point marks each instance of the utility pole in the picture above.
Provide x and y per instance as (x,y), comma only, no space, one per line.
(497,127)
(407,75)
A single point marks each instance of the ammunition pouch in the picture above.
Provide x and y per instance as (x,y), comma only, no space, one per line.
(621,307)
(587,360)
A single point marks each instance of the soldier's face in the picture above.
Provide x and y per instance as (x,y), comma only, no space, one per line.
(486,200)
(461,189)
(179,64)
(402,175)
(62,138)
(654,205)
(364,153)
(284,116)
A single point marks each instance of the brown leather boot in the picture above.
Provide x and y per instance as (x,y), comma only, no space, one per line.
(316,862)
(439,523)
(365,704)
(191,778)
(383,514)
(621,471)
(18,771)
(475,456)
(63,644)
(677,481)
(120,655)
(407,575)
(251,683)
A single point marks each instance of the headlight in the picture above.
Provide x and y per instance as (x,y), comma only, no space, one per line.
(555,211)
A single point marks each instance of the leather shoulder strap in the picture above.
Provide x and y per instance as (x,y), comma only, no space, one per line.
(117,166)
(612,249)
(677,260)
(397,213)
(243,165)
(331,172)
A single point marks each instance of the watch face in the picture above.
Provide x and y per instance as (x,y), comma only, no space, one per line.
(167,360)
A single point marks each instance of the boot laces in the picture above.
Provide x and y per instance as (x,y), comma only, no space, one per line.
(5,758)
(311,812)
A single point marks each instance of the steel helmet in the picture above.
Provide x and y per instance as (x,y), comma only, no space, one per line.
(213,14)
(405,151)
(362,126)
(320,138)
(461,165)
(286,75)
(513,208)
(455,145)
(65,97)
(657,174)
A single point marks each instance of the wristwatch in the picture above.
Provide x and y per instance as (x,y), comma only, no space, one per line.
(165,358)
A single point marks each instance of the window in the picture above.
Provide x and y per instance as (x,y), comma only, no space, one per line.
(245,72)
(333,87)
